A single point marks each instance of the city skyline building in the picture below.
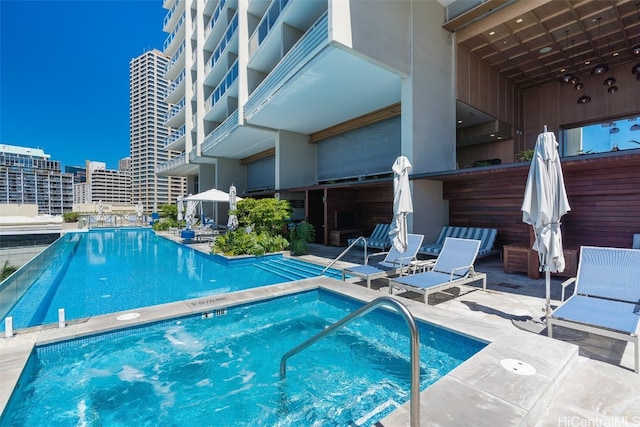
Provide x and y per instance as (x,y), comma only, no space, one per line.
(148,132)
(102,184)
(29,176)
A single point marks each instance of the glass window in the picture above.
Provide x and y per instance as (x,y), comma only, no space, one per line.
(614,135)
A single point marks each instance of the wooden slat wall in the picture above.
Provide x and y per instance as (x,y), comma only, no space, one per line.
(603,191)
(373,203)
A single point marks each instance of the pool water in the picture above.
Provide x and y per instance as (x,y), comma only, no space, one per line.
(223,370)
(106,271)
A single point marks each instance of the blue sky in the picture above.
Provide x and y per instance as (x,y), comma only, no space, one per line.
(64,74)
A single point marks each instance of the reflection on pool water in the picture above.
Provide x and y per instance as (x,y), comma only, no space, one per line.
(223,369)
(106,271)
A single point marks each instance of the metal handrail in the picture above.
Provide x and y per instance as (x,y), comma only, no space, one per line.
(347,250)
(415,347)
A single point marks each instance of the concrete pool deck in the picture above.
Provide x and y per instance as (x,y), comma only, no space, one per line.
(578,380)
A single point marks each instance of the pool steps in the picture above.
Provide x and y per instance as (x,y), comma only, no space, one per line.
(293,269)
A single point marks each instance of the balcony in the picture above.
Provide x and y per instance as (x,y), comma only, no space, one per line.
(175,116)
(306,48)
(171,17)
(212,24)
(220,133)
(225,42)
(175,141)
(267,22)
(267,43)
(176,63)
(176,89)
(170,44)
(223,88)
(342,84)
(172,164)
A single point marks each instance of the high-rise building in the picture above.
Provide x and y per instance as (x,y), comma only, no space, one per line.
(29,176)
(283,97)
(110,186)
(79,173)
(124,165)
(148,132)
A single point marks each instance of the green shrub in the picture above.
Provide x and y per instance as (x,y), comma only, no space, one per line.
(299,236)
(169,211)
(264,215)
(7,270)
(237,242)
(70,217)
(166,224)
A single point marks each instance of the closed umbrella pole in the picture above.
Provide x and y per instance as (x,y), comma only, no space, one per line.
(545,203)
(402,203)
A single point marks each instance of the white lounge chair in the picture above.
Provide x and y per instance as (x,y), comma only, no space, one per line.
(395,262)
(606,296)
(453,267)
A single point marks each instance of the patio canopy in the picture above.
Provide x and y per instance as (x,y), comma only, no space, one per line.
(213,195)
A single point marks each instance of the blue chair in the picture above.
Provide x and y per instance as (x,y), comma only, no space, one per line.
(395,262)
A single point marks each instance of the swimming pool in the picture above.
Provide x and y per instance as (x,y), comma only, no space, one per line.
(223,369)
(105,271)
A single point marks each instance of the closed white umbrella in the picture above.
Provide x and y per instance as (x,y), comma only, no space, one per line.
(545,203)
(232,222)
(139,209)
(402,203)
(180,209)
(190,214)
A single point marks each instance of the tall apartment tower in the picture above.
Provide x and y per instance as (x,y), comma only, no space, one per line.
(148,132)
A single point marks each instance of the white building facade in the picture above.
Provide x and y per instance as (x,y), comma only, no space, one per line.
(284,96)
(148,132)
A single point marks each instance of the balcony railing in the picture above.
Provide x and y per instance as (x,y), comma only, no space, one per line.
(223,86)
(269,19)
(228,35)
(173,34)
(307,47)
(179,160)
(214,18)
(175,110)
(175,135)
(174,85)
(220,132)
(169,14)
(174,58)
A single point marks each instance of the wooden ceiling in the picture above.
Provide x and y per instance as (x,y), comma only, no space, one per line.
(509,36)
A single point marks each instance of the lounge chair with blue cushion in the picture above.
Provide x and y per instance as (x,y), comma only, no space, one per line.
(453,267)
(606,296)
(395,262)
(487,237)
(379,238)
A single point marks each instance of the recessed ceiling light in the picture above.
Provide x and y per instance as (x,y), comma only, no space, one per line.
(519,21)
(492,33)
(562,70)
(587,62)
(459,121)
(545,49)
(616,53)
